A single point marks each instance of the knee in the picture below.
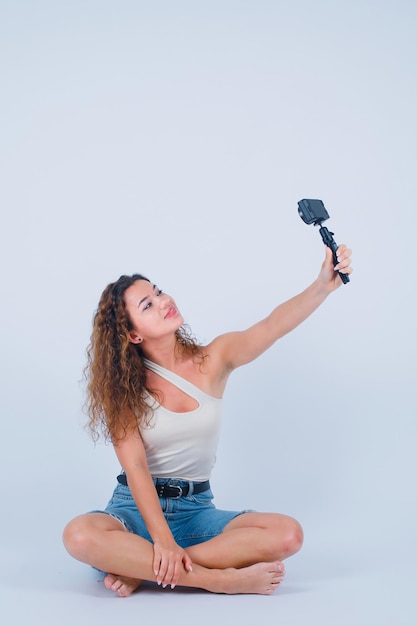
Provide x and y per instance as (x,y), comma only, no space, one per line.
(292,539)
(288,539)
(76,538)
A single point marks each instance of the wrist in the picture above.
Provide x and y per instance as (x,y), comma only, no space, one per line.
(162,536)
(321,289)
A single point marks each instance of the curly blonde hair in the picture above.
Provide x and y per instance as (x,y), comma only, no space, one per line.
(115,371)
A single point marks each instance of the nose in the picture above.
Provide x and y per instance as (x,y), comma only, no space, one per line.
(164,301)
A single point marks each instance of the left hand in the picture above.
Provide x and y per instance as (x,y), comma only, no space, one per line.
(169,561)
(328,274)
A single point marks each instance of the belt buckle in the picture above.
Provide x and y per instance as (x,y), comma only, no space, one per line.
(179,491)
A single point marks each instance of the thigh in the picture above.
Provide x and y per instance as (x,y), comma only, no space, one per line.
(275,522)
(282,534)
(96,521)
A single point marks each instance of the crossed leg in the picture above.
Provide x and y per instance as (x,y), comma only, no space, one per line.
(245,558)
(250,538)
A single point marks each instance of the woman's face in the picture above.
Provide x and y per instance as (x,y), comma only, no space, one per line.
(153,313)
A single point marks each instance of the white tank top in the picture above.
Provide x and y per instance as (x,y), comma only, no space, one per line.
(182,445)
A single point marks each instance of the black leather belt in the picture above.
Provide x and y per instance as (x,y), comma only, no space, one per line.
(165,490)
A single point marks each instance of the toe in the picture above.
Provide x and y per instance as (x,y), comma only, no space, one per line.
(122,591)
(109,581)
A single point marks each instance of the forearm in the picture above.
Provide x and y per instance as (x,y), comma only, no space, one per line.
(290,314)
(146,498)
(131,454)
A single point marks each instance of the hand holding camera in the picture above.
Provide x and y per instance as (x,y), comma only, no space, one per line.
(314,212)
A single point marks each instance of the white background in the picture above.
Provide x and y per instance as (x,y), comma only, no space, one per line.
(175,139)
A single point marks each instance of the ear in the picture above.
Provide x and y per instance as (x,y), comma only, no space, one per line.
(134,337)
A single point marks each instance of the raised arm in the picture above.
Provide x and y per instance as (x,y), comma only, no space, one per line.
(169,557)
(238,348)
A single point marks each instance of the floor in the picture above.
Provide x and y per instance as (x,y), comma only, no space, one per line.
(50,588)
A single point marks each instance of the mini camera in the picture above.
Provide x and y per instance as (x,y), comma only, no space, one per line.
(314,212)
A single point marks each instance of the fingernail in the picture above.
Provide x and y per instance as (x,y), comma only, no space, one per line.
(172,586)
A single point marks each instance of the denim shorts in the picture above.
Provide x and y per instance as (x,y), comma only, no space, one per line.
(192,519)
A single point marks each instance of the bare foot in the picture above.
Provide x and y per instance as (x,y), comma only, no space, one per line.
(261,578)
(122,585)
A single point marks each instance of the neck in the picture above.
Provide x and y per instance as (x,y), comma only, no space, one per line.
(164,353)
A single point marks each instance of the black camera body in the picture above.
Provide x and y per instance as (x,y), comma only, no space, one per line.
(314,212)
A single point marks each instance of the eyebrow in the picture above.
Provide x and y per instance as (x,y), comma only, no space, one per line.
(146,297)
(143,300)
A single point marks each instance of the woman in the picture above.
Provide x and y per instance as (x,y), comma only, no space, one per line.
(157,395)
